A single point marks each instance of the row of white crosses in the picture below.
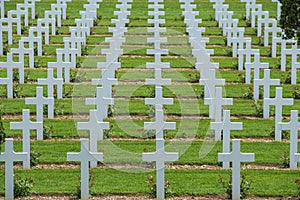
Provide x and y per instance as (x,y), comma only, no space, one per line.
(22,50)
(89,155)
(159,125)
(222,124)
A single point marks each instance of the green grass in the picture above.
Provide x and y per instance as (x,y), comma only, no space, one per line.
(129,101)
(193,182)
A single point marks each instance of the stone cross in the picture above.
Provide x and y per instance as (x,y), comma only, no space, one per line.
(274,30)
(46,23)
(85,157)
(256,65)
(238,42)
(60,64)
(15,16)
(248,51)
(157,64)
(159,125)
(226,126)
(95,127)
(26,125)
(236,157)
(259,13)
(266,82)
(107,81)
(265,21)
(210,82)
(159,100)
(216,104)
(249,5)
(101,103)
(10,64)
(50,81)
(9,157)
(294,127)
(160,157)
(32,39)
(40,101)
(295,52)
(5,25)
(285,52)
(278,102)
(22,51)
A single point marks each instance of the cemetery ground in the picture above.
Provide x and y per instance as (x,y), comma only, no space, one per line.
(196,174)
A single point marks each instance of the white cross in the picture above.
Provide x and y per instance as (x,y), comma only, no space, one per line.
(248,51)
(159,100)
(226,126)
(22,51)
(265,21)
(256,65)
(238,42)
(11,19)
(160,157)
(10,65)
(285,52)
(216,104)
(95,128)
(101,103)
(294,51)
(159,125)
(250,4)
(260,15)
(68,53)
(26,125)
(294,127)
(278,102)
(275,40)
(9,157)
(31,40)
(50,81)
(274,30)
(60,64)
(210,82)
(25,12)
(236,157)
(85,157)
(46,22)
(266,82)
(106,81)
(40,101)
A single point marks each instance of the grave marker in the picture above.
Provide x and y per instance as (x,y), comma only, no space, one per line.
(226,126)
(278,102)
(266,82)
(256,65)
(40,101)
(50,81)
(294,127)
(159,100)
(248,51)
(22,51)
(101,103)
(60,64)
(216,104)
(159,125)
(9,157)
(26,125)
(160,157)
(85,157)
(95,128)
(236,157)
